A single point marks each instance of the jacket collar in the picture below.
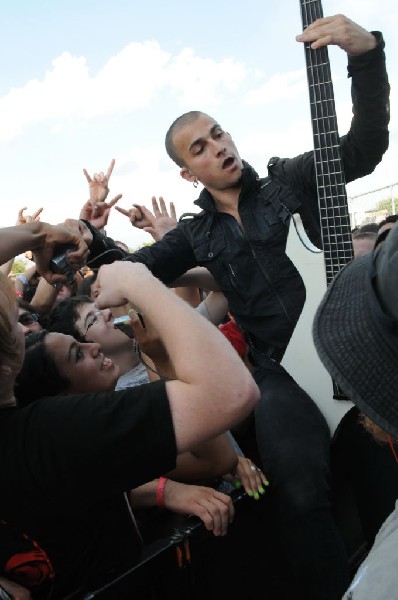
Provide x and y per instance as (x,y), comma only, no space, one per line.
(250,181)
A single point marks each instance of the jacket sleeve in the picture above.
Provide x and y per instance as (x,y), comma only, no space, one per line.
(167,259)
(362,148)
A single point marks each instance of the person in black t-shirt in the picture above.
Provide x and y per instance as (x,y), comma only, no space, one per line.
(67,461)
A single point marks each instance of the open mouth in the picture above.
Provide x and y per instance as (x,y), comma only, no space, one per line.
(228,162)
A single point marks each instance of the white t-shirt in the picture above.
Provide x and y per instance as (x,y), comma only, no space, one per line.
(136,376)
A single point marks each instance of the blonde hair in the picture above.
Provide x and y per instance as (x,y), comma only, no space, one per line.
(8,348)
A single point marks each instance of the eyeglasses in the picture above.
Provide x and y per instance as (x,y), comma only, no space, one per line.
(28,318)
(94,318)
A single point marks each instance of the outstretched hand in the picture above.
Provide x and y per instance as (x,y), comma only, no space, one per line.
(214,508)
(339,31)
(98,214)
(251,477)
(98,184)
(56,235)
(156,223)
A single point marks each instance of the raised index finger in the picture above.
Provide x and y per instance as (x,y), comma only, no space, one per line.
(110,169)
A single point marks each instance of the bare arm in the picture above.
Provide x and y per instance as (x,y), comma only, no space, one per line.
(21,220)
(42,239)
(208,460)
(44,297)
(208,397)
(216,306)
(213,508)
(199,277)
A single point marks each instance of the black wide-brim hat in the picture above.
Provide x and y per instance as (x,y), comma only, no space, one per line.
(355,332)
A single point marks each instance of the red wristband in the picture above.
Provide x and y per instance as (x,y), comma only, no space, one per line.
(160,491)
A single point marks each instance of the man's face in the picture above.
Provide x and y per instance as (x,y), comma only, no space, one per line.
(362,246)
(209,154)
(29,323)
(97,326)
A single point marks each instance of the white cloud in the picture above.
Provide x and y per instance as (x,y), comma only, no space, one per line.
(281,86)
(199,81)
(69,95)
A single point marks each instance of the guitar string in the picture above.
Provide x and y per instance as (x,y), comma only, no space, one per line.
(334,216)
(335,150)
(340,224)
(323,145)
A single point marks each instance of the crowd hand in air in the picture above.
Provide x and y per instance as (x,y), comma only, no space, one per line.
(98,214)
(22,219)
(214,508)
(98,184)
(251,477)
(96,210)
(338,31)
(156,223)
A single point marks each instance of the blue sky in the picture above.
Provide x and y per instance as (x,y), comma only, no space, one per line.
(84,82)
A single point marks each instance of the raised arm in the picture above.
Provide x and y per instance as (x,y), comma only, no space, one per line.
(208,397)
(363,146)
(42,239)
(156,223)
(367,140)
(21,220)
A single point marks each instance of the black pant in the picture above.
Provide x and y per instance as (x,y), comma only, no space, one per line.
(294,443)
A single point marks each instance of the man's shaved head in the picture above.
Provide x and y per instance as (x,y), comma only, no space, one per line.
(179,123)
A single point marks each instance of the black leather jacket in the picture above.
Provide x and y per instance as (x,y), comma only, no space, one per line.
(264,290)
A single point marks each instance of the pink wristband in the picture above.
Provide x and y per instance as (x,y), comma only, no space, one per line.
(160,491)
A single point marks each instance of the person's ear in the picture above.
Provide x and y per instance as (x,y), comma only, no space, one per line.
(186,174)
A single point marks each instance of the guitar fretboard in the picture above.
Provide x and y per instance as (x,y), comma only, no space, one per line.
(332,196)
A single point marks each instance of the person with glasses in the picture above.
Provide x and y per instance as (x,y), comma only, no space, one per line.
(67,460)
(28,318)
(79,317)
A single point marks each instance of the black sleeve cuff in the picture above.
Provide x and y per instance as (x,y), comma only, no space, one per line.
(363,60)
(103,250)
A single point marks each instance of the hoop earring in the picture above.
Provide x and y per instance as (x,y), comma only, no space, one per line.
(195,183)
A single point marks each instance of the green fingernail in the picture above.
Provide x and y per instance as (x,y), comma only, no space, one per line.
(261,490)
(250,493)
(236,484)
(266,483)
(257,496)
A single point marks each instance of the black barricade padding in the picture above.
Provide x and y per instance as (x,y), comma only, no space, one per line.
(192,564)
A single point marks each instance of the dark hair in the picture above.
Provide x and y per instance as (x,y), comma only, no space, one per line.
(389,219)
(23,305)
(365,235)
(180,122)
(84,287)
(64,315)
(369,227)
(39,376)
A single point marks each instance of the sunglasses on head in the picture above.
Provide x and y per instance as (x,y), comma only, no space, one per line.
(28,318)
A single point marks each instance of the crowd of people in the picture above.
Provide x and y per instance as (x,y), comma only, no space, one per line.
(187,399)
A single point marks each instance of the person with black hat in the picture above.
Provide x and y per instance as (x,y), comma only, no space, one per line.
(356,335)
